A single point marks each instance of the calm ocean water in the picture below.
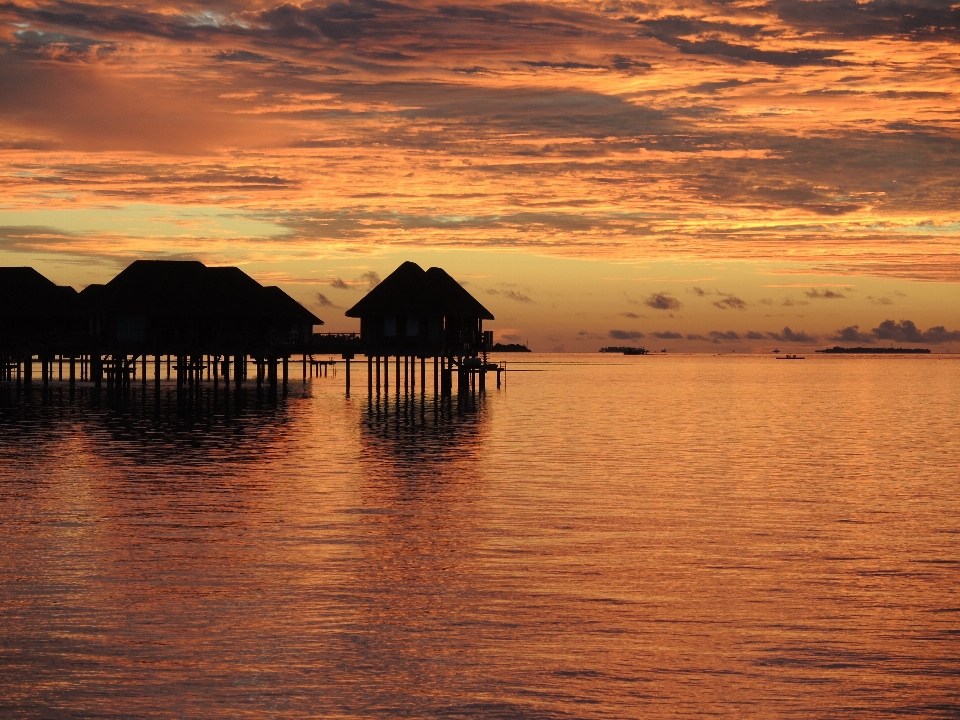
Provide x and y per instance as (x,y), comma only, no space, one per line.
(603,537)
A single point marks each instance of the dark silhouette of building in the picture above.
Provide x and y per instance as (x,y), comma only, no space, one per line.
(212,322)
(185,306)
(414,313)
(422,313)
(36,317)
(33,310)
(207,318)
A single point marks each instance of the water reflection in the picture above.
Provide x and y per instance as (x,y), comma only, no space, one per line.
(151,426)
(416,577)
(418,435)
(639,539)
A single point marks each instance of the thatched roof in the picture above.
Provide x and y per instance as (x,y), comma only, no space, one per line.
(190,288)
(25,293)
(409,290)
(453,298)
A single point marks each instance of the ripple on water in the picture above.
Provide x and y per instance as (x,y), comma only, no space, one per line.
(610,537)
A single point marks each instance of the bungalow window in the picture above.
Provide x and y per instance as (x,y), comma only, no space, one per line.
(390,326)
(413,327)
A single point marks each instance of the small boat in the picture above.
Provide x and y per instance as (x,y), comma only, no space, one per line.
(791,357)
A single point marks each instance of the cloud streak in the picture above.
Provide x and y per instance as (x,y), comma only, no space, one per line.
(819,132)
(662,301)
(625,334)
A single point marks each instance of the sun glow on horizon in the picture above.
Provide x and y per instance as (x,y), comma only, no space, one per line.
(748,141)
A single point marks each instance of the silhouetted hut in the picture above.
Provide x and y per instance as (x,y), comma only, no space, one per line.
(202,315)
(37,317)
(414,313)
(185,306)
(34,310)
(420,313)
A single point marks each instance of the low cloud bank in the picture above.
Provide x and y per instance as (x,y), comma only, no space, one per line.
(625,334)
(905,331)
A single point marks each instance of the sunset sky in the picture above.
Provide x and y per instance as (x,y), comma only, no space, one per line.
(696,176)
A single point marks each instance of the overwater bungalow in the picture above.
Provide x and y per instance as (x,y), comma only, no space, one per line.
(185,306)
(37,317)
(417,313)
(422,313)
(207,318)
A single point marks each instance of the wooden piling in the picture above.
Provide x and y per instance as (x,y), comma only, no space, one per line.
(272,372)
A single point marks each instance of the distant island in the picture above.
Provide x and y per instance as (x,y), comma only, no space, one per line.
(510,347)
(626,350)
(876,350)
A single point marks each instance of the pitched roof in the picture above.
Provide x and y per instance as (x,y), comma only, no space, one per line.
(402,291)
(411,290)
(190,288)
(26,293)
(453,297)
